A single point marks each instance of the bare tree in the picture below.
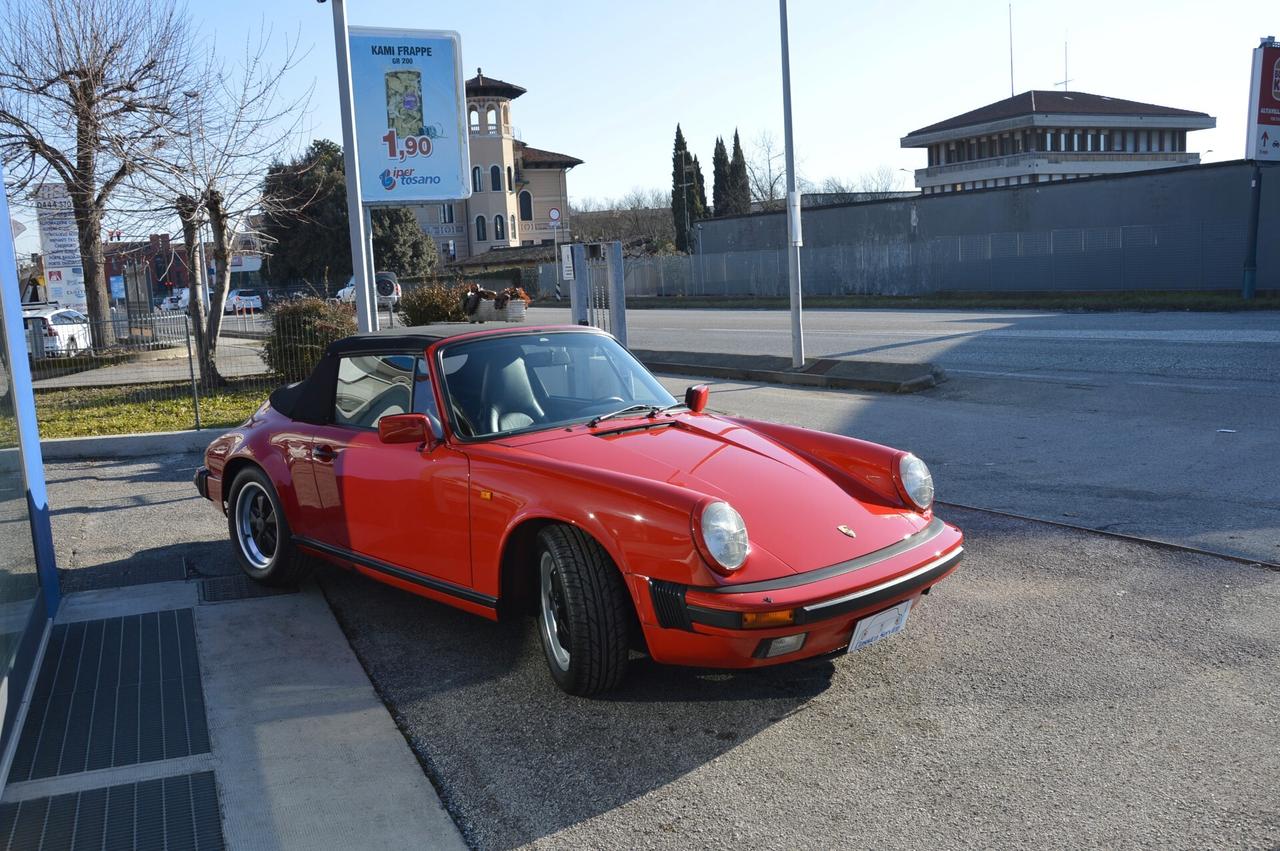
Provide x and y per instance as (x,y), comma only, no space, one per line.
(88,90)
(641,218)
(767,172)
(236,123)
(881,182)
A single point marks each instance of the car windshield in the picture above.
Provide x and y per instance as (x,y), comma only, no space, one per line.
(528,382)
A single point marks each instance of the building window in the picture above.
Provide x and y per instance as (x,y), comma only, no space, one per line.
(476,185)
(526,206)
(499,228)
(473,117)
(491,118)
(480,234)
(495,178)
(446,214)
(511,184)
(514,232)
(450,250)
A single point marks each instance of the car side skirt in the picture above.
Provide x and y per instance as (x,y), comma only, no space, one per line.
(447,592)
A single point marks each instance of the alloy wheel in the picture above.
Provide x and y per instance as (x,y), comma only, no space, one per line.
(257,530)
(555,616)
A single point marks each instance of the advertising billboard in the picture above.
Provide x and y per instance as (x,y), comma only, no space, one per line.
(1264,104)
(60,246)
(410,115)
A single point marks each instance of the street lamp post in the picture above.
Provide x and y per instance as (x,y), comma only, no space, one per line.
(366,317)
(793,201)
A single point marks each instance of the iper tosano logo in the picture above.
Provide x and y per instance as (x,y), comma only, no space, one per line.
(392,177)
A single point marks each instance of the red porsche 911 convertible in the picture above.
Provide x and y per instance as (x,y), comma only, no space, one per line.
(545,471)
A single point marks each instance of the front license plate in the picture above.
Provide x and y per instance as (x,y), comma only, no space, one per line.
(880,625)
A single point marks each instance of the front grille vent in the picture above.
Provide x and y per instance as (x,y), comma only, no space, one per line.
(668,603)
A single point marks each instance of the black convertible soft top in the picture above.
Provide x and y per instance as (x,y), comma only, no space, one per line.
(311,400)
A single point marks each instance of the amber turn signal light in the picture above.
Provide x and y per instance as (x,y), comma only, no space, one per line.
(764,620)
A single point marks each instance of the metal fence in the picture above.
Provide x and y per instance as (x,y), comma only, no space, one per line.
(1204,255)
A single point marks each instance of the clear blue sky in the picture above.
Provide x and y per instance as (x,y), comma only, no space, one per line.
(608,81)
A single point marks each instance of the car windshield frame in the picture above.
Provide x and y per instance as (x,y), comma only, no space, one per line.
(447,409)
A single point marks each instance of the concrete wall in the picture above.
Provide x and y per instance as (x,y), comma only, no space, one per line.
(1177,229)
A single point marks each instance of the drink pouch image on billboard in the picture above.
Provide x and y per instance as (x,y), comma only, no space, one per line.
(409,100)
(404,103)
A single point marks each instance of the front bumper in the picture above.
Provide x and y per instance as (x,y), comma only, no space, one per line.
(689,625)
(201,481)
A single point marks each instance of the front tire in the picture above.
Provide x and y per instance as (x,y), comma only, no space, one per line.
(584,613)
(260,533)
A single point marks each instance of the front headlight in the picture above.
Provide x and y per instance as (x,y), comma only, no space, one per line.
(724,535)
(916,480)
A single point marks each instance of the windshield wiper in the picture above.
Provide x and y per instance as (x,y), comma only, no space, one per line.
(630,409)
(655,410)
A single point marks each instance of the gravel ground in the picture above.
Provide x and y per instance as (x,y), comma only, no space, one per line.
(1062,690)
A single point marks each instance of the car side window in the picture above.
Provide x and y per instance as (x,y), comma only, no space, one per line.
(371,387)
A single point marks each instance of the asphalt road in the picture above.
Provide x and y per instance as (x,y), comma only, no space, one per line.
(1162,425)
(1063,689)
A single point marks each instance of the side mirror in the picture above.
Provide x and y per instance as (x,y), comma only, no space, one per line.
(696,397)
(406,428)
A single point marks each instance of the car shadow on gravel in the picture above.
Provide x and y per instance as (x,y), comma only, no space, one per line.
(513,757)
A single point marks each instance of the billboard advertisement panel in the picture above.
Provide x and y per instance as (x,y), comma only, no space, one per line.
(60,246)
(1263,141)
(410,115)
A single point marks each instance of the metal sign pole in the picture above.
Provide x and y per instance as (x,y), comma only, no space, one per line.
(366,320)
(793,202)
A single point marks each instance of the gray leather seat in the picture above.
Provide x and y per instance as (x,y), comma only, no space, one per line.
(508,397)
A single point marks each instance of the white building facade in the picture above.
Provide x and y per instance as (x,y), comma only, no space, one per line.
(1043,136)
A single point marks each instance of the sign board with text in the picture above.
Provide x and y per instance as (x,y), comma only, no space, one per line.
(566,262)
(1263,142)
(60,246)
(410,115)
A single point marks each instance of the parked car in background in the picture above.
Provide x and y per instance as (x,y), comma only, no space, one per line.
(55,331)
(238,300)
(546,472)
(385,283)
(178,301)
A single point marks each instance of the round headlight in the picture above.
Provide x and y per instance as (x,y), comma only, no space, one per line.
(917,481)
(724,535)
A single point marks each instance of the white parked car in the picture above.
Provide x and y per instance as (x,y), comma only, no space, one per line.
(180,299)
(243,300)
(385,283)
(55,330)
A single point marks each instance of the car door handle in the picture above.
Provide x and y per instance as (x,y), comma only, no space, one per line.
(324,453)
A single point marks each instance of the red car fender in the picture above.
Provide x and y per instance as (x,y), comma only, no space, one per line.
(865,470)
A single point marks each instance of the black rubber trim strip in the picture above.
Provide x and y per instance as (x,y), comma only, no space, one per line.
(922,576)
(924,536)
(715,617)
(400,573)
(201,481)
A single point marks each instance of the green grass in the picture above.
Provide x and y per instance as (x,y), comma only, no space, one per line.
(89,411)
(1141,301)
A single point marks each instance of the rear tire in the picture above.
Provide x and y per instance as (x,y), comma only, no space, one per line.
(584,611)
(260,533)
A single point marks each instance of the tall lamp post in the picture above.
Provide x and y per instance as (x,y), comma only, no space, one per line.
(366,316)
(793,201)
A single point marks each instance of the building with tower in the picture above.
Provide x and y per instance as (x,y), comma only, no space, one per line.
(1043,136)
(519,195)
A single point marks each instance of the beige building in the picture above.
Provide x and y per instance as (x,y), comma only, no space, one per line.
(1043,136)
(518,192)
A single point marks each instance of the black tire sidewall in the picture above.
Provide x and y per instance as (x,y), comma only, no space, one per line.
(274,572)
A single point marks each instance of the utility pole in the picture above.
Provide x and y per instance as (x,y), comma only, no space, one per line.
(1251,248)
(793,201)
(366,316)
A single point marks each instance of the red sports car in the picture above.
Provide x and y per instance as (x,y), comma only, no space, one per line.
(545,471)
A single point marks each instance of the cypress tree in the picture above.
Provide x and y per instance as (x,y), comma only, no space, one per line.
(679,193)
(738,199)
(700,189)
(719,179)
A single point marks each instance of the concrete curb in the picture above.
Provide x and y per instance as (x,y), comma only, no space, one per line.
(126,445)
(830,373)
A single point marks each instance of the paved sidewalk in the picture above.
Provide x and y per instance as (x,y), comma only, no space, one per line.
(180,704)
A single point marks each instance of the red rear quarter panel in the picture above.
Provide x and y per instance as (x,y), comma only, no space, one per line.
(270,441)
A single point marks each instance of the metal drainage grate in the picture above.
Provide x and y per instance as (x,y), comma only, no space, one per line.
(221,589)
(112,692)
(172,813)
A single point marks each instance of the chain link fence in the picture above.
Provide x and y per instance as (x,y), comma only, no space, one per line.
(1199,256)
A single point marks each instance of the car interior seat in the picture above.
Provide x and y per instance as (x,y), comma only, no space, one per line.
(507,396)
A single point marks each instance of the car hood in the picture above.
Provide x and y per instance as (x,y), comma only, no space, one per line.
(791,508)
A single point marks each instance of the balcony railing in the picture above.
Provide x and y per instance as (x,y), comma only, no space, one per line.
(495,131)
(1055,157)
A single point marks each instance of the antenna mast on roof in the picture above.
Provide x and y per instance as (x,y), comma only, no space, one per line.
(1066,74)
(1011,92)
